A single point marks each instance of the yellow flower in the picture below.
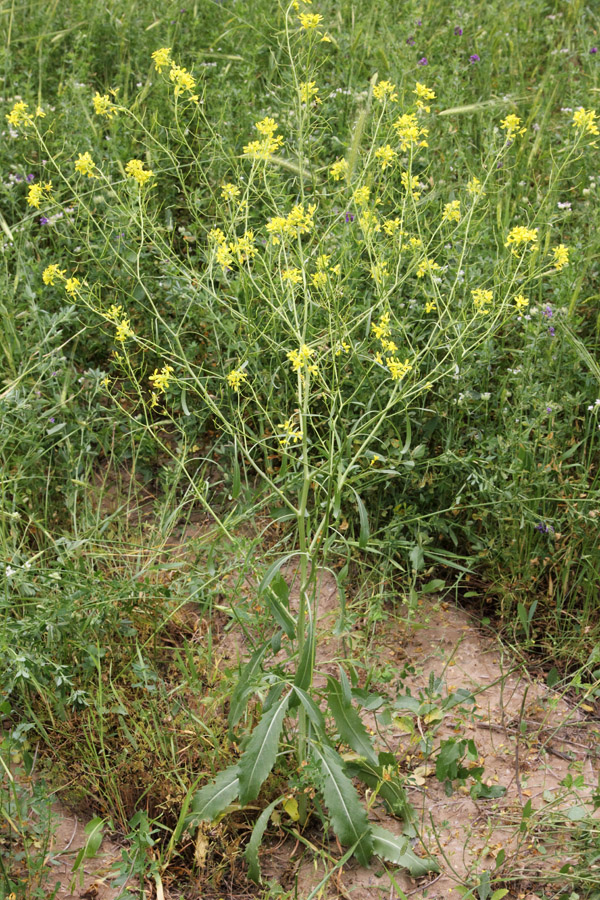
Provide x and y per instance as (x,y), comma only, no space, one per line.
(398,369)
(216,235)
(561,256)
(229,191)
(293,275)
(511,124)
(71,286)
(103,105)
(310,21)
(339,169)
(379,272)
(290,433)
(385,155)
(521,302)
(323,260)
(85,165)
(474,187)
(235,379)
(19,115)
(123,331)
(319,279)
(270,143)
(368,222)
(114,312)
(391,226)
(451,212)
(482,299)
(298,221)
(411,183)
(162,58)
(244,248)
(388,346)
(343,347)
(160,380)
(426,265)
(224,256)
(51,272)
(410,132)
(430,306)
(299,358)
(183,81)
(424,95)
(309,91)
(38,192)
(585,120)
(385,90)
(135,169)
(521,235)
(361,195)
(381,329)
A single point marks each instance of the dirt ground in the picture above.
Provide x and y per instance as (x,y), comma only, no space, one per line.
(529,739)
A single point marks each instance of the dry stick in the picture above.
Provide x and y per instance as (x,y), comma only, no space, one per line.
(517,745)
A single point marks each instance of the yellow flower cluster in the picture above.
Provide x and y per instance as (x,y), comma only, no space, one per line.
(430,306)
(298,221)
(39,192)
(85,165)
(451,212)
(71,286)
(386,156)
(379,272)
(183,81)
(585,120)
(270,142)
(123,329)
(135,169)
(290,433)
(103,106)
(160,379)
(300,358)
(369,222)
(293,275)
(482,299)
(381,330)
(51,272)
(424,95)
(398,370)
(512,125)
(411,183)
(339,169)
(410,132)
(19,116)
(241,250)
(229,191)
(235,379)
(361,195)
(561,256)
(521,235)
(310,21)
(309,91)
(162,58)
(385,90)
(521,302)
(427,265)
(474,187)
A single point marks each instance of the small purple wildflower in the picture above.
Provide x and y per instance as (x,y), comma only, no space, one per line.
(419,23)
(44,220)
(29,178)
(474,58)
(18,178)
(499,164)
(410,40)
(458,30)
(52,419)
(551,331)
(594,50)
(547,313)
(543,528)
(423,61)
(349,217)
(548,409)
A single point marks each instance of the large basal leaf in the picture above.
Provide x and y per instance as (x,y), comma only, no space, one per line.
(348,816)
(312,710)
(251,851)
(396,850)
(348,722)
(213,798)
(259,757)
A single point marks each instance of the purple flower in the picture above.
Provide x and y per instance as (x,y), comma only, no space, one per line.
(547,312)
(548,409)
(18,178)
(44,220)
(541,527)
(410,40)
(29,178)
(423,61)
(419,23)
(551,331)
(474,58)
(457,30)
(52,419)
(594,50)
(349,217)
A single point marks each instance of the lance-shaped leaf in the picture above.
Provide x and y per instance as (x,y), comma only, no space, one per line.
(349,725)
(348,816)
(389,788)
(259,757)
(251,851)
(213,798)
(304,671)
(397,851)
(245,686)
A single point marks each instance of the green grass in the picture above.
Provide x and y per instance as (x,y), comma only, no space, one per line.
(477,469)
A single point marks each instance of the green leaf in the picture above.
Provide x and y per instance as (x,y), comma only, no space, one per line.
(245,686)
(279,608)
(305,665)
(272,572)
(213,798)
(396,850)
(391,790)
(348,722)
(251,851)
(348,816)
(312,710)
(499,894)
(259,757)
